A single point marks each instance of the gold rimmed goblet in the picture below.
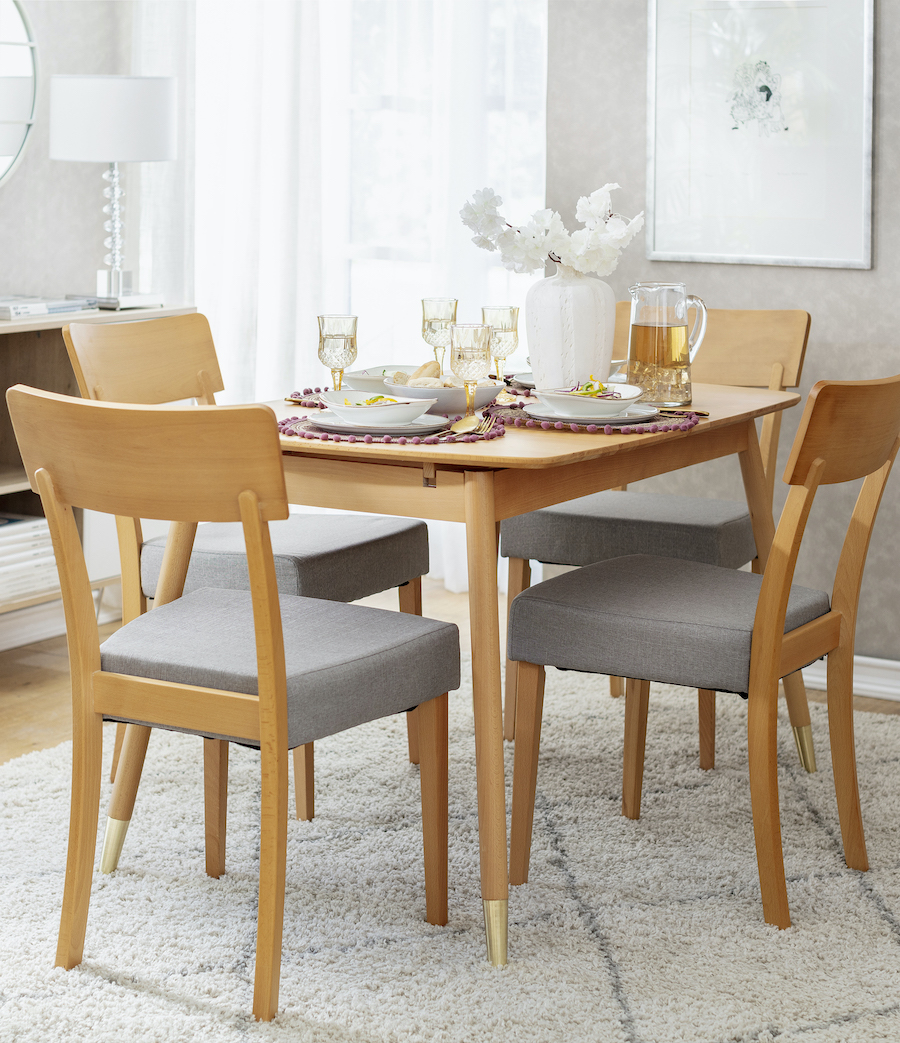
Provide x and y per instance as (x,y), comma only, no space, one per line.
(337,345)
(503,320)
(470,357)
(438,315)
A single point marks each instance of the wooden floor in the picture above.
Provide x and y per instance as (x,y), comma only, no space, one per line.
(35,710)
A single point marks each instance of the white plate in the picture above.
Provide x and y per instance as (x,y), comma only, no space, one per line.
(637,414)
(330,422)
(525,379)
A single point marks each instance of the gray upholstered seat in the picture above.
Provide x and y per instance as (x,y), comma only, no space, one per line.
(345,664)
(613,524)
(655,618)
(332,556)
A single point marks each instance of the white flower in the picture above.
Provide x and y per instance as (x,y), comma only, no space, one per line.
(481,214)
(483,242)
(596,208)
(594,248)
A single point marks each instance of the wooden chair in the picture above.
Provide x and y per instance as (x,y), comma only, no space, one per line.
(249,666)
(339,558)
(744,348)
(686,622)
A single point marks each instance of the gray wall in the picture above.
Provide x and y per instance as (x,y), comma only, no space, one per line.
(51,212)
(596,132)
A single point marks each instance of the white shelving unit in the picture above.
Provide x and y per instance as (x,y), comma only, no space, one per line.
(32,352)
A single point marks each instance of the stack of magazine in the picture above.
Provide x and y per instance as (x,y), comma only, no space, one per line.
(27,563)
(20,307)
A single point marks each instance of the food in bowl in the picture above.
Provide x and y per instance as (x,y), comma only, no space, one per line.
(364,408)
(590,399)
(449,393)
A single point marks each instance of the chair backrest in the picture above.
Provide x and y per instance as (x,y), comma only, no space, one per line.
(150,361)
(849,430)
(849,424)
(185,464)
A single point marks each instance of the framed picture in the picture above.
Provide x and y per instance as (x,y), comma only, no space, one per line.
(760,132)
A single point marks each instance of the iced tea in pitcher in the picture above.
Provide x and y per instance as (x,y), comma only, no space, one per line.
(660,351)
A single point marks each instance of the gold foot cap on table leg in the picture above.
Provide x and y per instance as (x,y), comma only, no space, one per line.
(113,841)
(806,750)
(496,925)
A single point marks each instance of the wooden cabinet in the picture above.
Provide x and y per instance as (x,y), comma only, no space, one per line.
(32,352)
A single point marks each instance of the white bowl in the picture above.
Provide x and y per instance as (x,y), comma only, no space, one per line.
(351,407)
(372,378)
(565,403)
(449,400)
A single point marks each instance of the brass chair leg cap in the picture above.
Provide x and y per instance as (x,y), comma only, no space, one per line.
(113,841)
(496,928)
(805,749)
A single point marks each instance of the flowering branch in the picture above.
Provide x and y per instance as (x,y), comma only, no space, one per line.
(594,248)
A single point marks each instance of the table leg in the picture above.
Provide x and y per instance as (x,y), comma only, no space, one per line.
(128,773)
(482,561)
(759,502)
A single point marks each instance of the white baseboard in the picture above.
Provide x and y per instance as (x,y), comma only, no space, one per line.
(875,677)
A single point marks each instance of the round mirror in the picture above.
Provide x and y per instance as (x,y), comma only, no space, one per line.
(18,84)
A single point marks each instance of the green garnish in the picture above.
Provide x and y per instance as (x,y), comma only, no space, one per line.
(592,388)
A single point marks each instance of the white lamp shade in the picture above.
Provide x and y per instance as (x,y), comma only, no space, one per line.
(112,119)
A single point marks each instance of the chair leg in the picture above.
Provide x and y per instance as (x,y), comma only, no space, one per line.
(272,866)
(215,794)
(117,750)
(706,711)
(87,749)
(411,601)
(412,736)
(798,709)
(432,730)
(529,712)
(843,757)
(637,703)
(616,686)
(519,580)
(304,782)
(121,806)
(762,733)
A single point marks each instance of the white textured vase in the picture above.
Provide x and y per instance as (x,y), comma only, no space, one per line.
(571,321)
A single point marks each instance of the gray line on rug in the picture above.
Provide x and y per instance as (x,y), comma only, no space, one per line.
(772,1032)
(863,879)
(588,917)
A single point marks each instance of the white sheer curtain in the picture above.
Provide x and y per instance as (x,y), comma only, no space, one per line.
(335,142)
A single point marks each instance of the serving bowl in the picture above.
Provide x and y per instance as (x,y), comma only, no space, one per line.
(565,403)
(450,400)
(351,407)
(372,377)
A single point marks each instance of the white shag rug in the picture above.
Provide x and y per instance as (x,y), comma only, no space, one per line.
(645,932)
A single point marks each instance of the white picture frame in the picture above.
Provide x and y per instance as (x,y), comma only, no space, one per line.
(759,132)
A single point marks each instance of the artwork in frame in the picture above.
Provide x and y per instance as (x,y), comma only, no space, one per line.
(760,132)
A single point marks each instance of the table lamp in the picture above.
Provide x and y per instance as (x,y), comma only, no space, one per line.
(113,119)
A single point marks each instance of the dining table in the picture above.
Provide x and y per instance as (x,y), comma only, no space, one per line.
(480,483)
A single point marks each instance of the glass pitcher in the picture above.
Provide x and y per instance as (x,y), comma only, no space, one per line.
(660,351)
